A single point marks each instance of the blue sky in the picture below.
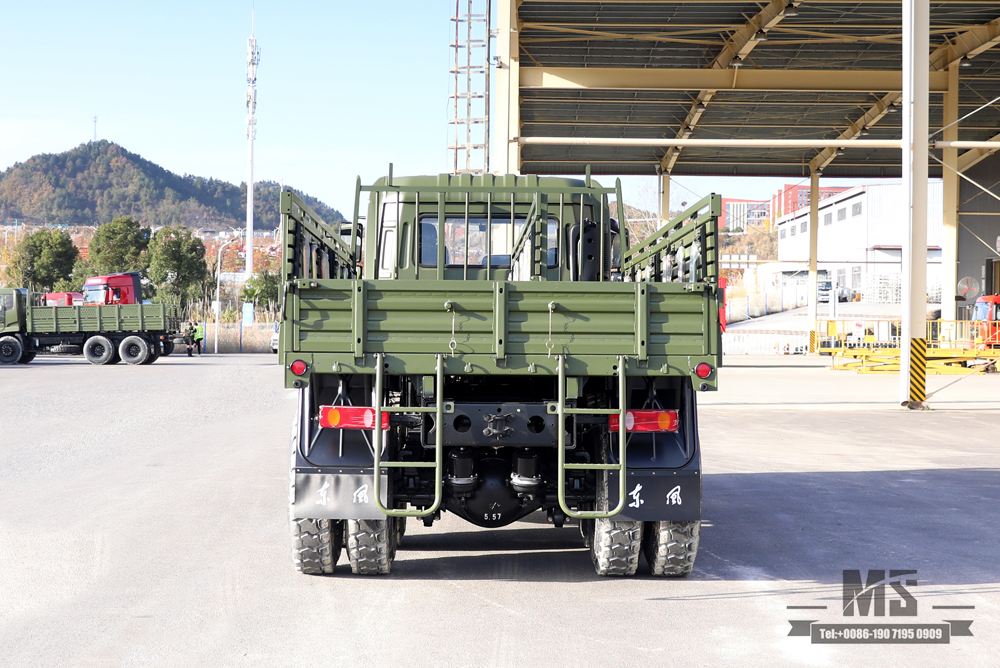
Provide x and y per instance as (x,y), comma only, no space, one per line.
(342,90)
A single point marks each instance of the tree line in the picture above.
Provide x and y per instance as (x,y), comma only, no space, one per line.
(171,262)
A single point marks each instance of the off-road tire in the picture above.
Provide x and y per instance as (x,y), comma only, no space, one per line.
(134,350)
(11,350)
(371,546)
(316,545)
(671,547)
(167,348)
(615,545)
(26,358)
(99,350)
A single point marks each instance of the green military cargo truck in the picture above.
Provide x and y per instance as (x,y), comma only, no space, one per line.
(516,354)
(133,333)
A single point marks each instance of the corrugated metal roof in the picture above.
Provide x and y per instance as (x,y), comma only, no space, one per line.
(826,34)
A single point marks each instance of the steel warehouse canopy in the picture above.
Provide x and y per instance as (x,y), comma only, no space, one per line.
(714,69)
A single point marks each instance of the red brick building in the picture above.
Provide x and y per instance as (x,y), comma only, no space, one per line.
(792,198)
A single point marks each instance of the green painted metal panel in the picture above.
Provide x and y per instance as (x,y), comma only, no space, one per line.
(102,318)
(663,323)
(410,317)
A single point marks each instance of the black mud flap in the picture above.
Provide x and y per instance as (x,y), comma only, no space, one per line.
(658,495)
(337,496)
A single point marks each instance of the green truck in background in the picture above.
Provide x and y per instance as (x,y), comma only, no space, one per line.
(104,334)
(493,346)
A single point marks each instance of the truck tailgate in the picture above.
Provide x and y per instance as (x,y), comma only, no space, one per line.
(523,321)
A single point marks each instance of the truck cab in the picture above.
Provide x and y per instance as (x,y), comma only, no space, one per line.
(62,299)
(123,288)
(986,319)
(12,302)
(823,291)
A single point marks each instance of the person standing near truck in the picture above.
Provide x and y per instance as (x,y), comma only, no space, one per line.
(189,337)
(199,336)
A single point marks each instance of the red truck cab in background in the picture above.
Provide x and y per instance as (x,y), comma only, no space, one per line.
(113,289)
(62,299)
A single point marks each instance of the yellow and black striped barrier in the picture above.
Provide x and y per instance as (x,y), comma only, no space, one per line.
(918,370)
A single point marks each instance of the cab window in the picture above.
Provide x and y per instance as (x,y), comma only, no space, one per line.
(502,239)
(93,294)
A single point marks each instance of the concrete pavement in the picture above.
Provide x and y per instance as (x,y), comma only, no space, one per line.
(143,523)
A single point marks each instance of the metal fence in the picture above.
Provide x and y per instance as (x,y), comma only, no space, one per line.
(765,342)
(759,304)
(875,334)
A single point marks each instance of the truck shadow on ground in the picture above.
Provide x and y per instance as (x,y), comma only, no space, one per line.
(812,526)
(768,527)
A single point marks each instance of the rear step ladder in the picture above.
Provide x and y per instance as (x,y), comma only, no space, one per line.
(562,412)
(438,463)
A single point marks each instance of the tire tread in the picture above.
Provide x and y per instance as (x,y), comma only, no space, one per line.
(371,546)
(671,547)
(316,545)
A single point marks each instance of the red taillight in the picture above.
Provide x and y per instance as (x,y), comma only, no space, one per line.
(298,367)
(703,370)
(645,421)
(350,417)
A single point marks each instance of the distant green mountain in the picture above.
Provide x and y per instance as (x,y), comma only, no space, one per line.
(97,181)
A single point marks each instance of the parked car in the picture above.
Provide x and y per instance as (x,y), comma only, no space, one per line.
(274,340)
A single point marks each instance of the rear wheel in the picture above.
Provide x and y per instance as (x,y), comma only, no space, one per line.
(615,545)
(11,350)
(99,350)
(371,545)
(316,545)
(134,350)
(168,347)
(671,547)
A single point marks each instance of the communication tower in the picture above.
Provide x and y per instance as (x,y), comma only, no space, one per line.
(253,57)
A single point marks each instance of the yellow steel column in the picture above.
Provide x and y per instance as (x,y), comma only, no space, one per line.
(813,251)
(949,242)
(665,196)
(508,110)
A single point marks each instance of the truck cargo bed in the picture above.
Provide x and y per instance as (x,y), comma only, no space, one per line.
(504,325)
(102,318)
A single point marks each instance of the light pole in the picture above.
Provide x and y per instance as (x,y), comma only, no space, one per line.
(218,288)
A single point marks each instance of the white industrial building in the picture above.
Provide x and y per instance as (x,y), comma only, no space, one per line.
(861,233)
